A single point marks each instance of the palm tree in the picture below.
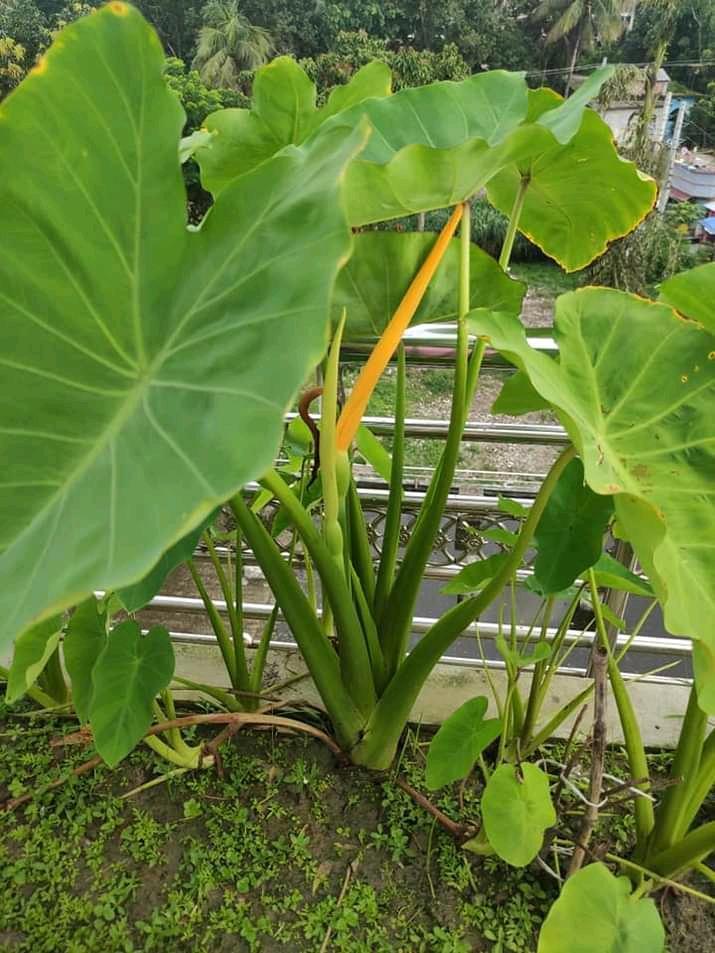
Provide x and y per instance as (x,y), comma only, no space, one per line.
(581,23)
(228,43)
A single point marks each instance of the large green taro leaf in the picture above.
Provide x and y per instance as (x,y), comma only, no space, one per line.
(283,112)
(580,195)
(692,293)
(597,913)
(146,367)
(430,147)
(635,388)
(381,269)
(436,145)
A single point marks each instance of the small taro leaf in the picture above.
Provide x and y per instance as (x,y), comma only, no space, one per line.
(569,536)
(137,596)
(32,652)
(611,574)
(608,614)
(85,638)
(459,742)
(506,505)
(381,268)
(374,452)
(640,416)
(150,365)
(516,812)
(298,439)
(585,179)
(189,144)
(518,396)
(127,676)
(540,653)
(498,534)
(692,293)
(476,575)
(283,113)
(596,913)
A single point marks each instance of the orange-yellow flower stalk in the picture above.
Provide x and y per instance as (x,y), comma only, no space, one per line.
(371,372)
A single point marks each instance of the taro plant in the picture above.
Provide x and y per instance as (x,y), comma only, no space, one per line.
(148,365)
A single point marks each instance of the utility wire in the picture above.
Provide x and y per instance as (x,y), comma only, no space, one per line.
(591,66)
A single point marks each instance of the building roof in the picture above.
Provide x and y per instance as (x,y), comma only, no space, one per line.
(708,225)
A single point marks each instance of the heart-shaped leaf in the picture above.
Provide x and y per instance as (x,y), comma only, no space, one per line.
(691,293)
(32,652)
(597,913)
(569,536)
(611,574)
(283,112)
(517,660)
(146,366)
(579,194)
(634,387)
(459,742)
(436,145)
(383,264)
(516,810)
(85,639)
(129,673)
(475,575)
(517,396)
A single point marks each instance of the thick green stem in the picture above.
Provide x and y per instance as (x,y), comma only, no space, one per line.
(688,852)
(174,734)
(387,722)
(360,551)
(637,761)
(259,659)
(317,651)
(533,702)
(239,648)
(701,786)
(222,636)
(188,759)
(240,666)
(674,805)
(396,621)
(508,245)
(354,658)
(393,517)
(328,453)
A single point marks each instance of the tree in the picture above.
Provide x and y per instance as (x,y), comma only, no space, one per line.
(12,64)
(24,23)
(229,43)
(581,24)
(700,124)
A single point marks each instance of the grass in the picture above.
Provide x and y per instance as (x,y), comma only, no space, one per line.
(545,278)
(280,851)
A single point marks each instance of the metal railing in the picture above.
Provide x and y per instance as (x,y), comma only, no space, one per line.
(466,517)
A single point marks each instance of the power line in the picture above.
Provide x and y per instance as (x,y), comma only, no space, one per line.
(592,66)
